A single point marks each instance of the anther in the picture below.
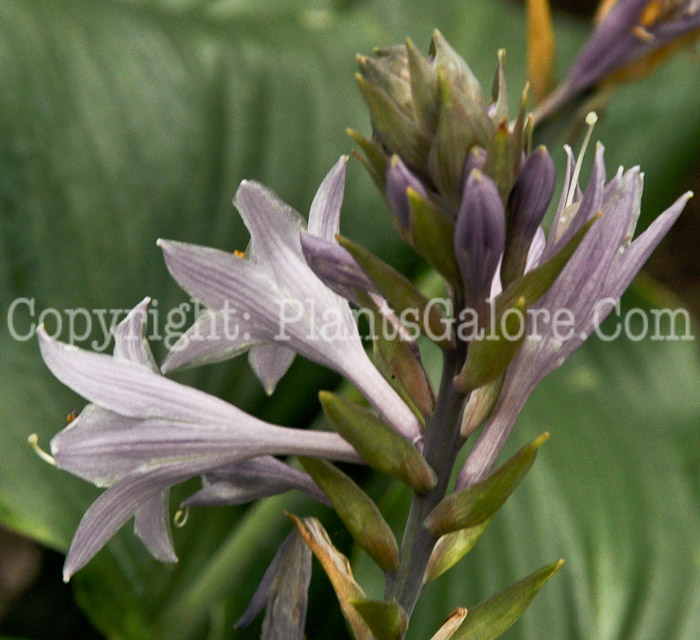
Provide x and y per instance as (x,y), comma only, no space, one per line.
(180,517)
(33,441)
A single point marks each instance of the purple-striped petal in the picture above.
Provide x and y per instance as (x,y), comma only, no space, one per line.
(324,215)
(215,336)
(130,337)
(250,480)
(130,389)
(152,526)
(116,506)
(270,361)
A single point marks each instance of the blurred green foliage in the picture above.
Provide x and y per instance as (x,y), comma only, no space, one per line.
(125,120)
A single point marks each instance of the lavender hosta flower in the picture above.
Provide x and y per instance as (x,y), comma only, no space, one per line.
(600,270)
(273,303)
(630,30)
(143,433)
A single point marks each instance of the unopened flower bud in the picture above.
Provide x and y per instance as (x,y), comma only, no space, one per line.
(334,266)
(476,159)
(398,180)
(527,205)
(479,237)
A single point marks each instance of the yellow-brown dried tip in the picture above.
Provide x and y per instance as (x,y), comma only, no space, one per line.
(180,517)
(541,48)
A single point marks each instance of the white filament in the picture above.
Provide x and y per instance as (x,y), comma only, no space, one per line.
(591,119)
(33,441)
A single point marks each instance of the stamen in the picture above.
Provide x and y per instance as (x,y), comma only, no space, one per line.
(591,119)
(180,517)
(72,416)
(239,254)
(33,441)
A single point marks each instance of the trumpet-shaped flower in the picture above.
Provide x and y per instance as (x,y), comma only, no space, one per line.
(595,277)
(144,433)
(630,30)
(271,301)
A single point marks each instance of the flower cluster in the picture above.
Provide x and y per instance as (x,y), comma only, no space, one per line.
(468,191)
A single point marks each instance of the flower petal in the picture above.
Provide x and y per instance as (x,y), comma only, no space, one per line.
(152,526)
(115,506)
(215,336)
(591,202)
(130,389)
(601,268)
(103,447)
(611,45)
(270,361)
(250,480)
(289,310)
(130,337)
(637,254)
(218,278)
(283,590)
(274,228)
(324,216)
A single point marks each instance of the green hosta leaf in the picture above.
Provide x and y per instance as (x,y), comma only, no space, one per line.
(473,505)
(387,620)
(356,509)
(490,619)
(377,443)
